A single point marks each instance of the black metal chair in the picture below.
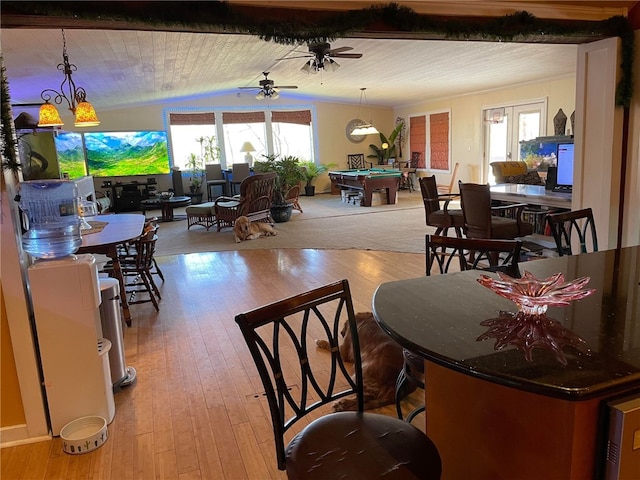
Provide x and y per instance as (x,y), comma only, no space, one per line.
(353,445)
(566,225)
(473,254)
(356,161)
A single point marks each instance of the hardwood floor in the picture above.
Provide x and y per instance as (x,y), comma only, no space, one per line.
(193,413)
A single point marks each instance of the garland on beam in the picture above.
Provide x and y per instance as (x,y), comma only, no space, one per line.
(302,26)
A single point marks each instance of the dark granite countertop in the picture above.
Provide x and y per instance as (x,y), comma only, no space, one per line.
(439,318)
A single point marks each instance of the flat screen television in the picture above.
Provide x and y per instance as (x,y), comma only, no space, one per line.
(70,154)
(120,154)
(564,181)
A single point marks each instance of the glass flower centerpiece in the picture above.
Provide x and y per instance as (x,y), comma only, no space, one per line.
(530,327)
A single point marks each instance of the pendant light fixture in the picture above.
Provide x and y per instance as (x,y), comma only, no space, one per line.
(76,98)
(363,128)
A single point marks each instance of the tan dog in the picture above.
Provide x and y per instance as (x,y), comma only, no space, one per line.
(245,229)
(381,363)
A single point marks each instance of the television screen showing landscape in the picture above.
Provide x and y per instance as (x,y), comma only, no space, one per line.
(70,154)
(116,154)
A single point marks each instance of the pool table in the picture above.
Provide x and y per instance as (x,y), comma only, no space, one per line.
(367,180)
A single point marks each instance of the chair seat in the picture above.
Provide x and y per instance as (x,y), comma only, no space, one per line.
(507,228)
(441,218)
(362,446)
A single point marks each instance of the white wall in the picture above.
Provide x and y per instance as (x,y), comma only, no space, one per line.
(466,119)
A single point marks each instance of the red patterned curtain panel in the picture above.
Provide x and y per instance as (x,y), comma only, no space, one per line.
(439,140)
(203,118)
(418,137)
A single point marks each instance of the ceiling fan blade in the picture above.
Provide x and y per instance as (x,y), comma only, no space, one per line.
(249,88)
(297,56)
(286,86)
(346,55)
(338,50)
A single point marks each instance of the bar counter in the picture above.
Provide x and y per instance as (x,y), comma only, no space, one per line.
(492,413)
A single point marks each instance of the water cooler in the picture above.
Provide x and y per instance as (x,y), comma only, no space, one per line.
(74,353)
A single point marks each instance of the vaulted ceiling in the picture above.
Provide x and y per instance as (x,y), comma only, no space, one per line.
(126,67)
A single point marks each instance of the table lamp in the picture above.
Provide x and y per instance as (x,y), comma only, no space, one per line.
(247,148)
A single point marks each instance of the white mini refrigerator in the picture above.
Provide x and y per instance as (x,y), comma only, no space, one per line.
(74,356)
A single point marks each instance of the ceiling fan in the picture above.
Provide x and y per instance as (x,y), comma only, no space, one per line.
(321,57)
(267,89)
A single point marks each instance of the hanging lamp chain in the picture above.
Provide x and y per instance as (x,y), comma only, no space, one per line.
(74,95)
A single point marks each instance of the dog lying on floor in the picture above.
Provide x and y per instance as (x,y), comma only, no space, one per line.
(381,360)
(245,229)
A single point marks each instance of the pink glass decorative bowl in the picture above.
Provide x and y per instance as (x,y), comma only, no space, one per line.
(530,327)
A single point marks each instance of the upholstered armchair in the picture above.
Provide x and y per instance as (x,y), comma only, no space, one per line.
(254,201)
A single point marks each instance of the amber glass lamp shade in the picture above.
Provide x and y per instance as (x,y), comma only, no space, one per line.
(86,115)
(49,116)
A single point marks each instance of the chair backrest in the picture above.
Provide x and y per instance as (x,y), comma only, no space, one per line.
(475,200)
(473,254)
(355,161)
(576,224)
(256,193)
(145,248)
(213,171)
(452,183)
(291,327)
(429,195)
(240,171)
(414,161)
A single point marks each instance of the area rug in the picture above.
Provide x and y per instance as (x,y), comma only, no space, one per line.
(327,223)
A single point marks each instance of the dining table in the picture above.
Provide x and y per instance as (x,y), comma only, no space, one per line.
(514,400)
(107,232)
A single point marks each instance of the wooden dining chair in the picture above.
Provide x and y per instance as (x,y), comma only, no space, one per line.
(442,188)
(356,161)
(483,220)
(578,224)
(282,339)
(472,254)
(436,208)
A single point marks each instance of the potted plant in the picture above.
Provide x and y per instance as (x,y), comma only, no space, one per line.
(289,176)
(196,170)
(387,148)
(311,171)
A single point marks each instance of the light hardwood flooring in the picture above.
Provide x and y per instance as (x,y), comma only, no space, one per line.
(191,413)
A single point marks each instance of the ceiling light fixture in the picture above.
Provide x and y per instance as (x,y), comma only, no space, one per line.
(76,98)
(364,128)
(320,63)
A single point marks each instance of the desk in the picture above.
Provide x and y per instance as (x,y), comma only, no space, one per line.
(119,229)
(367,180)
(491,413)
(531,194)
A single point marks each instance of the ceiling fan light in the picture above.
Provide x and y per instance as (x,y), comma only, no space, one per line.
(49,116)
(331,65)
(86,115)
(274,94)
(260,95)
(366,129)
(307,67)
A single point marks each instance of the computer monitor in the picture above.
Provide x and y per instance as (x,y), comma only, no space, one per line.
(564,181)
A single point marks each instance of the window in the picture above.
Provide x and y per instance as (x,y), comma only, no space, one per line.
(291,133)
(430,136)
(506,126)
(282,132)
(185,129)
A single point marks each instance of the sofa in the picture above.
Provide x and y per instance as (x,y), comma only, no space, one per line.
(515,172)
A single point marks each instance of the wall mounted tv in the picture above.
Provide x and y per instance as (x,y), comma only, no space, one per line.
(70,154)
(120,154)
